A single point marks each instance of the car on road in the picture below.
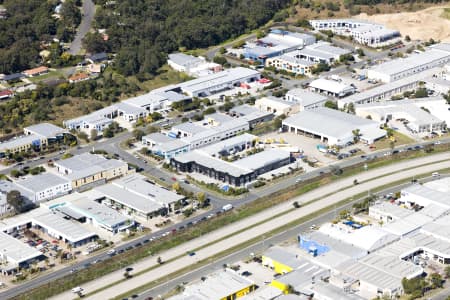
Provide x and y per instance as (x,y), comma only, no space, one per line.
(162,179)
(313,227)
(111,252)
(173,178)
(191,253)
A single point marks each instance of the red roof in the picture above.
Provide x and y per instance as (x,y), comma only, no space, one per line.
(5,93)
(79,76)
(35,71)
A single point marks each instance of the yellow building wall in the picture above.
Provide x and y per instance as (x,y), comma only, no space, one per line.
(277,266)
(240,293)
(281,286)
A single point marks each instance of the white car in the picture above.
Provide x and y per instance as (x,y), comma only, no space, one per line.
(111,252)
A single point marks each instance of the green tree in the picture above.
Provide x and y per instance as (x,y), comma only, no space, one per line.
(138,134)
(15,199)
(94,134)
(331,104)
(220,60)
(356,135)
(201,198)
(436,280)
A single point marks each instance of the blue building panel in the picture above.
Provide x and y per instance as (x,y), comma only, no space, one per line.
(312,247)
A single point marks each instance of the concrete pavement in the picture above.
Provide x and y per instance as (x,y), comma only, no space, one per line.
(267,226)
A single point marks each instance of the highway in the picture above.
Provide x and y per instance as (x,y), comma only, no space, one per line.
(214,242)
(112,145)
(256,248)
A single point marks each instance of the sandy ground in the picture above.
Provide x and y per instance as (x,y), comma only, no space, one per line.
(423,24)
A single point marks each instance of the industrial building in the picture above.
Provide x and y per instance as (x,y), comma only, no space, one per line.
(386,91)
(251,114)
(363,32)
(418,119)
(276,43)
(237,173)
(434,56)
(280,260)
(321,52)
(303,60)
(192,65)
(42,187)
(80,208)
(129,110)
(35,137)
(15,255)
(217,82)
(87,170)
(331,88)
(277,106)
(332,126)
(136,195)
(51,223)
(305,98)
(223,285)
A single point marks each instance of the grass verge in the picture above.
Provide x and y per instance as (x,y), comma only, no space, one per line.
(132,256)
(269,234)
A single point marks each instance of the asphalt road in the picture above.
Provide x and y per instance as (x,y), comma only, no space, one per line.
(258,247)
(112,145)
(85,25)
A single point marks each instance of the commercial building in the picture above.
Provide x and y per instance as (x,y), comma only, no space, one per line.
(230,146)
(386,91)
(44,186)
(87,170)
(5,208)
(36,137)
(305,98)
(155,139)
(223,285)
(276,43)
(236,173)
(418,119)
(79,207)
(171,149)
(291,63)
(363,32)
(320,52)
(192,65)
(134,194)
(434,56)
(331,88)
(14,254)
(277,106)
(332,126)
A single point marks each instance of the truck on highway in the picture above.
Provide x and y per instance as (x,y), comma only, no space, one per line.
(227,207)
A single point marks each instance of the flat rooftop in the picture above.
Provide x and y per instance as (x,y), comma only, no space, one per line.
(305,97)
(16,250)
(219,78)
(330,85)
(228,143)
(57,224)
(283,256)
(219,285)
(326,121)
(19,141)
(134,192)
(46,130)
(99,212)
(42,182)
(414,60)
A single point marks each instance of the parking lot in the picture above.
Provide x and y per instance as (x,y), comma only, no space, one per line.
(308,145)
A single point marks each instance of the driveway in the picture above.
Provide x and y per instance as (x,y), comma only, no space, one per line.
(86,21)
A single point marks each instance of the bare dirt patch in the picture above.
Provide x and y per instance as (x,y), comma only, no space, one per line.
(422,25)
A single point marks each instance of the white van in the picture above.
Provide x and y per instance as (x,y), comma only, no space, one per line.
(77,289)
(435,174)
(227,207)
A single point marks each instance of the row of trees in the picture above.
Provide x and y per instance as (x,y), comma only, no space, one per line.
(142,32)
